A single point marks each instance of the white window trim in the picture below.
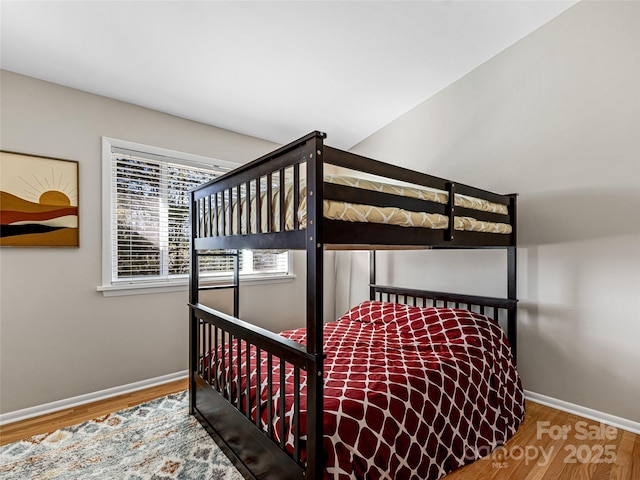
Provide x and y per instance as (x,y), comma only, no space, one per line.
(122,288)
(110,288)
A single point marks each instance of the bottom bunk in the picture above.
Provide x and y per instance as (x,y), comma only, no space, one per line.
(410,391)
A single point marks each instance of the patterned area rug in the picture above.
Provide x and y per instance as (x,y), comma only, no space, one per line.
(157,440)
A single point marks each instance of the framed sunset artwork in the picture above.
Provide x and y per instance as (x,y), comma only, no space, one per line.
(38,201)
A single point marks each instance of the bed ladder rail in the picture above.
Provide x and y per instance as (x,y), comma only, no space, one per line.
(235,285)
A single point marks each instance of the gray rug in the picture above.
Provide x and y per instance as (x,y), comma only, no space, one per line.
(157,440)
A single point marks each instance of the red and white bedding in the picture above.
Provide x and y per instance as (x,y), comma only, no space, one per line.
(410,392)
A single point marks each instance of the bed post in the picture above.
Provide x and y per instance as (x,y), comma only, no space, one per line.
(512,294)
(193,300)
(372,274)
(236,283)
(512,324)
(315,274)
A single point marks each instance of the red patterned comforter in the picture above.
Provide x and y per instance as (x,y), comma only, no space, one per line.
(410,392)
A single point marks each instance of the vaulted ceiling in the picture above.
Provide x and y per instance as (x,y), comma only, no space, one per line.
(274,70)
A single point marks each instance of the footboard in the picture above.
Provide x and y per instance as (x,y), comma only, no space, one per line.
(243,405)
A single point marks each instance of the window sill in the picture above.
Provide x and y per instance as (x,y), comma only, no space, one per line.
(121,289)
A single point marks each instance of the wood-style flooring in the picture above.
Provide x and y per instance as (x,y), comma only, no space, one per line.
(549,445)
(21,430)
(555,445)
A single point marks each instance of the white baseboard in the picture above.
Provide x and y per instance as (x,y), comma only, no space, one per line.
(16,416)
(38,410)
(618,422)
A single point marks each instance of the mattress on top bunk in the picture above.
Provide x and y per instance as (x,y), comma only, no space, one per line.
(409,392)
(352,212)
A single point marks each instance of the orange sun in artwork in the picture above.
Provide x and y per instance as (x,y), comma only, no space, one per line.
(54,197)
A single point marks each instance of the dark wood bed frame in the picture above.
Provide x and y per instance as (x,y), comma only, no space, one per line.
(223,409)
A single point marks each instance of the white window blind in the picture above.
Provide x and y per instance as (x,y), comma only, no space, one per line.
(150,226)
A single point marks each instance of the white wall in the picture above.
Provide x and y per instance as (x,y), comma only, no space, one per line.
(60,337)
(556,118)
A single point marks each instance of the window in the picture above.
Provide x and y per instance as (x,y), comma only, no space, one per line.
(146,220)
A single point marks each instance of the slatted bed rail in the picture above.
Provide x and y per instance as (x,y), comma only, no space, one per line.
(420,236)
(236,210)
(248,192)
(493,307)
(226,354)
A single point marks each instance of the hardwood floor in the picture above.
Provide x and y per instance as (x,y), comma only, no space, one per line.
(549,445)
(555,445)
(13,432)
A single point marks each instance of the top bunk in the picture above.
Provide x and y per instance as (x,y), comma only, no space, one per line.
(297,197)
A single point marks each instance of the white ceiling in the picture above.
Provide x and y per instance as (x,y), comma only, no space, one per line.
(274,70)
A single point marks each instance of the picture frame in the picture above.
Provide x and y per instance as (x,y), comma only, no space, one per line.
(38,201)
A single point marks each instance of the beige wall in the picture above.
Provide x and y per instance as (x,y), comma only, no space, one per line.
(556,118)
(60,337)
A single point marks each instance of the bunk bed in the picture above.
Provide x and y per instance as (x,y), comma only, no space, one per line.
(277,403)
